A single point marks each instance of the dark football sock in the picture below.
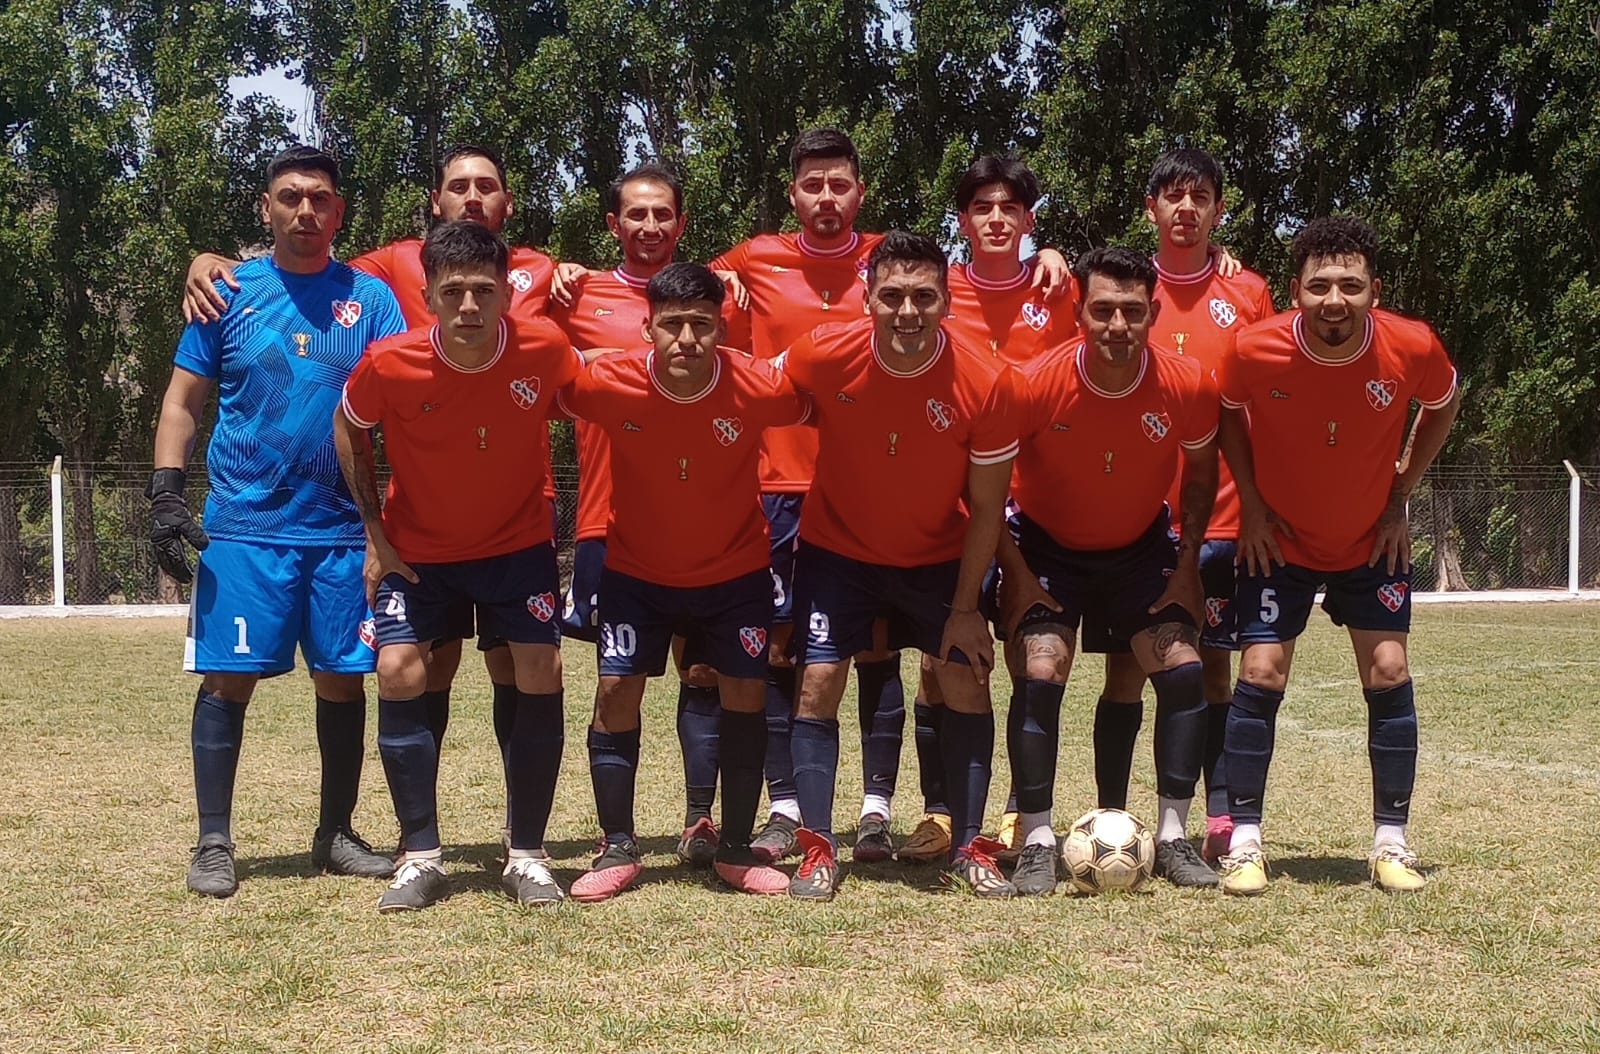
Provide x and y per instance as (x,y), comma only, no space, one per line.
(882,707)
(1116,729)
(1392,749)
(1216,772)
(1252,730)
(534,759)
(341,739)
(613,768)
(745,739)
(438,704)
(699,723)
(1180,739)
(816,770)
(1033,729)
(411,764)
(780,718)
(930,762)
(215,736)
(968,750)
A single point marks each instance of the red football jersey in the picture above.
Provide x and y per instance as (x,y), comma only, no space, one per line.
(399,264)
(1011,320)
(1094,465)
(686,510)
(1199,315)
(894,447)
(795,287)
(1327,435)
(468,479)
(609,311)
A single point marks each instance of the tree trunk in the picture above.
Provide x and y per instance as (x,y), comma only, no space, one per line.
(88,586)
(1448,575)
(13,568)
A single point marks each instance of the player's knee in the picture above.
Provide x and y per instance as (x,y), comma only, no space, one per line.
(617,703)
(339,687)
(1045,654)
(1217,665)
(1266,666)
(962,692)
(402,673)
(928,684)
(1386,671)
(234,687)
(443,662)
(501,666)
(821,687)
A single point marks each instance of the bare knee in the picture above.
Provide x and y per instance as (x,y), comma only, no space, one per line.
(402,671)
(1124,678)
(443,661)
(234,687)
(821,688)
(1046,654)
(502,667)
(1266,666)
(1217,671)
(617,702)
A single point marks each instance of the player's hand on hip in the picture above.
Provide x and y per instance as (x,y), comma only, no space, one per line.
(565,282)
(1183,589)
(1259,528)
(383,561)
(172,524)
(1393,542)
(967,632)
(1051,274)
(741,295)
(1020,594)
(201,301)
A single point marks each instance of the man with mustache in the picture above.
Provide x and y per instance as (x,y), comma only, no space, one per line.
(1322,498)
(282,545)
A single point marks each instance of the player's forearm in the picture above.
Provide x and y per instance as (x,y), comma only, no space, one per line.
(179,420)
(1009,557)
(1233,437)
(1433,428)
(1197,497)
(986,502)
(358,462)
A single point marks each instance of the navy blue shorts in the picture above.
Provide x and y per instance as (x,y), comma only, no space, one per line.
(580,614)
(1219,579)
(1274,607)
(783,527)
(515,594)
(841,598)
(465,619)
(1108,590)
(728,624)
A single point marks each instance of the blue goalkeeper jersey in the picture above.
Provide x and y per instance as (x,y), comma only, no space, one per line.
(280,356)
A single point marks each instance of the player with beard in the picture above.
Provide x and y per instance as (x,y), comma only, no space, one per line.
(471,185)
(1327,387)
(608,309)
(794,283)
(1202,306)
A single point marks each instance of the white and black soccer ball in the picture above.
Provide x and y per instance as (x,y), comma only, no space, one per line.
(1108,849)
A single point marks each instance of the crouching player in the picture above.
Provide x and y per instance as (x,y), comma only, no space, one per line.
(1103,429)
(463,405)
(686,553)
(1327,387)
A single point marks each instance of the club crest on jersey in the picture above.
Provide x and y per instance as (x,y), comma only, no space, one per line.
(754,640)
(1156,426)
(1380,394)
(1037,316)
(369,633)
(520,280)
(1392,595)
(941,415)
(727,429)
(1215,606)
(347,312)
(542,606)
(1223,313)
(525,392)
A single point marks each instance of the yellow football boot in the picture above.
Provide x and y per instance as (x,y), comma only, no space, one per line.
(1394,868)
(929,843)
(1244,873)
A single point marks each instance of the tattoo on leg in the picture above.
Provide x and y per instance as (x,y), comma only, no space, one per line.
(1169,635)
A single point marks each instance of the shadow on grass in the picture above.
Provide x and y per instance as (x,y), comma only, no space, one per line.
(1323,870)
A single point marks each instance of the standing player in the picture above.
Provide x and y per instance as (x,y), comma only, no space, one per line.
(1104,428)
(916,441)
(1327,387)
(994,305)
(609,310)
(684,419)
(462,404)
(1203,304)
(794,283)
(283,563)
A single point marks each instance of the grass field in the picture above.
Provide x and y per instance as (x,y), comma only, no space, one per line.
(101,949)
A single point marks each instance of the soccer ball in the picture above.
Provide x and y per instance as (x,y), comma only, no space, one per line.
(1108,849)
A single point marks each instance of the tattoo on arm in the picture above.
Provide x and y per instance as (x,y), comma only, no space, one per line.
(1198,496)
(357,461)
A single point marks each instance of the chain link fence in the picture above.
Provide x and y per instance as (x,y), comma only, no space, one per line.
(1472,529)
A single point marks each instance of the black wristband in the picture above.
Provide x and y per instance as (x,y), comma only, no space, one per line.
(166,481)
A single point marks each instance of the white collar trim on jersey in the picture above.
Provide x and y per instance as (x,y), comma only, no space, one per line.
(920,370)
(1023,278)
(438,349)
(716,375)
(1083,371)
(629,280)
(1195,278)
(845,250)
(1305,347)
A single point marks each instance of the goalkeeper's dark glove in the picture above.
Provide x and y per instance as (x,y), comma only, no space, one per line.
(171,523)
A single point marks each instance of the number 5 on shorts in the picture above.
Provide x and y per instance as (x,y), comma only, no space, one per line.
(1269,606)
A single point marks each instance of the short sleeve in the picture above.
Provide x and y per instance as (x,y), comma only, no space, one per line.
(200,346)
(375,263)
(1438,381)
(783,403)
(799,363)
(1230,377)
(583,398)
(1265,308)
(1200,425)
(549,339)
(735,259)
(363,400)
(993,439)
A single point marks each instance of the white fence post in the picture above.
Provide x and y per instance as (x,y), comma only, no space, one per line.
(58,548)
(1574,496)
